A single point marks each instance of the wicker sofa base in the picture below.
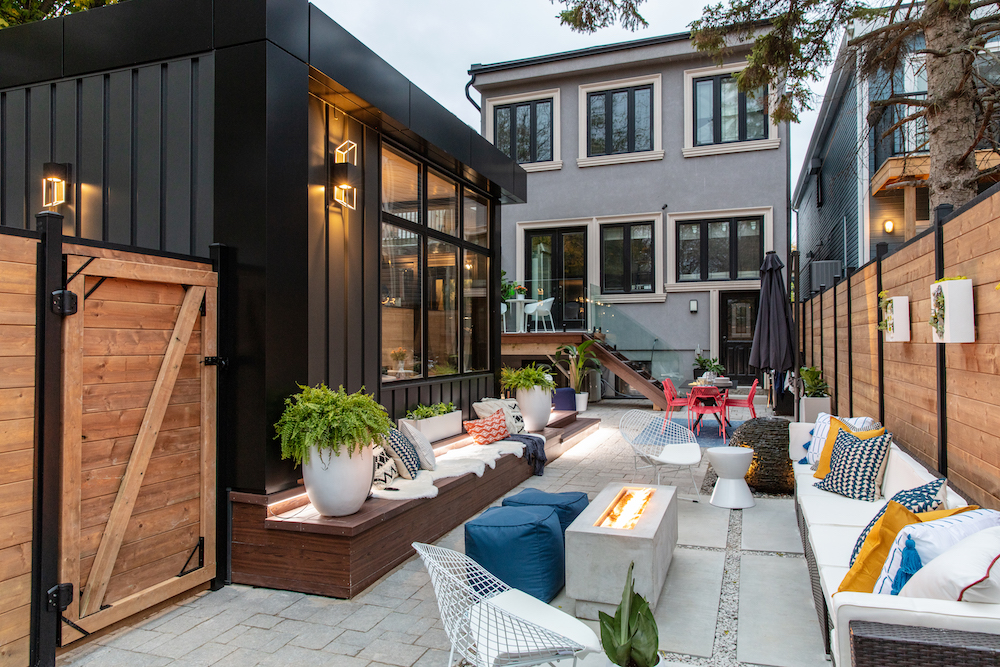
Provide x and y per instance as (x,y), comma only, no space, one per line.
(878,644)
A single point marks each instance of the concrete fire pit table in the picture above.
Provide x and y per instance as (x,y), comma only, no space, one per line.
(597,558)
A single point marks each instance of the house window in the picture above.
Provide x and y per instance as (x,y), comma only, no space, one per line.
(434,272)
(722,114)
(620,121)
(627,256)
(523,131)
(724,249)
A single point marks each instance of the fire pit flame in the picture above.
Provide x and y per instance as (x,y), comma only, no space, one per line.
(625,511)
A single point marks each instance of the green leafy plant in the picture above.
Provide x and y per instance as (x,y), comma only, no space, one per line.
(428,411)
(330,421)
(885,305)
(936,319)
(630,638)
(529,377)
(506,286)
(711,365)
(576,360)
(815,385)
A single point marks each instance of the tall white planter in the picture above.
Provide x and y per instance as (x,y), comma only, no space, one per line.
(438,428)
(898,315)
(536,406)
(581,401)
(959,316)
(810,407)
(337,485)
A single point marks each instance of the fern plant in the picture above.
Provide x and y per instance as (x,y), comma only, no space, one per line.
(529,377)
(428,411)
(329,421)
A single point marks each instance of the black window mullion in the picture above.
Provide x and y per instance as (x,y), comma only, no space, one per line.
(742,112)
(608,123)
(717,109)
(627,258)
(733,249)
(704,250)
(630,115)
(533,132)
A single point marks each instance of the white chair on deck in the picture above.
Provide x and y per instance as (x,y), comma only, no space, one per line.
(541,310)
(503,315)
(489,623)
(657,441)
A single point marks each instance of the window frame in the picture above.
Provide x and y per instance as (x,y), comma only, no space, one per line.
(532,121)
(584,158)
(733,221)
(425,233)
(741,112)
(608,110)
(627,255)
(489,118)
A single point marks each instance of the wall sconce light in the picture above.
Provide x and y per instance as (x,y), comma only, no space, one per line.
(55,176)
(693,305)
(888,226)
(345,174)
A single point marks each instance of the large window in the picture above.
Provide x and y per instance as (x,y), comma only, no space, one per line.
(722,114)
(627,253)
(620,121)
(724,249)
(434,272)
(523,131)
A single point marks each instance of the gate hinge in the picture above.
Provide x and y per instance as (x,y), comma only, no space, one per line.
(60,597)
(63,302)
(198,549)
(222,362)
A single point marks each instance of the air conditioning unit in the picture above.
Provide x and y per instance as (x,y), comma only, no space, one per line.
(824,273)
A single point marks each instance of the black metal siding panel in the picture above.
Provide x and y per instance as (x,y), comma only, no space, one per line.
(372,261)
(131,33)
(177,165)
(118,158)
(443,130)
(148,159)
(31,53)
(354,279)
(337,276)
(89,168)
(203,158)
(15,205)
(39,143)
(318,272)
(493,164)
(64,147)
(284,22)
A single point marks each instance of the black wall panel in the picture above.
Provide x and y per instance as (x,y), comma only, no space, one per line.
(32,52)
(64,145)
(177,147)
(119,157)
(284,22)
(14,159)
(89,172)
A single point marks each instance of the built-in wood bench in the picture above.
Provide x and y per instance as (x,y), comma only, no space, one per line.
(280,541)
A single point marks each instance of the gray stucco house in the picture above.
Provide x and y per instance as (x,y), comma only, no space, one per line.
(654,190)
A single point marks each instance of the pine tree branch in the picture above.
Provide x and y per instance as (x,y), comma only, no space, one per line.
(900,100)
(868,36)
(903,121)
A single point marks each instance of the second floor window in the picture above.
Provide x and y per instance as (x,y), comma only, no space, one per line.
(627,258)
(723,249)
(722,114)
(523,131)
(620,121)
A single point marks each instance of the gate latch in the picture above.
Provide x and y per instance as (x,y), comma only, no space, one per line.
(59,597)
(221,362)
(63,302)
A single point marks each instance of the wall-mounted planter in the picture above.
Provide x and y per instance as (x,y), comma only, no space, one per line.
(952,314)
(438,428)
(897,316)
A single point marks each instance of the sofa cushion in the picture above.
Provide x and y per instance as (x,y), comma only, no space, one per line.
(924,498)
(968,572)
(857,466)
(902,471)
(831,509)
(821,429)
(836,426)
(830,577)
(832,544)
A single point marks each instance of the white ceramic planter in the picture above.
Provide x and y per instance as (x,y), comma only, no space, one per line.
(809,408)
(536,406)
(438,428)
(581,401)
(898,315)
(959,315)
(337,485)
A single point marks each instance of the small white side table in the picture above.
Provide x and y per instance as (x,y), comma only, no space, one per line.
(731,465)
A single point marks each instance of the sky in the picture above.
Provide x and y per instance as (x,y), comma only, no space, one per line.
(433,42)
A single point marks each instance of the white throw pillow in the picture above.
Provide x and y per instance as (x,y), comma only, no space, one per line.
(512,413)
(425,452)
(967,572)
(932,539)
(821,429)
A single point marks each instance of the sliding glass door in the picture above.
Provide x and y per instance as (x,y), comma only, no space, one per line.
(556,268)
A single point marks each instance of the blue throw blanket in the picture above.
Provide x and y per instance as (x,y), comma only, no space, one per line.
(534,450)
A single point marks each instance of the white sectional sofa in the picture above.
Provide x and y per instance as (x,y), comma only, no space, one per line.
(830,525)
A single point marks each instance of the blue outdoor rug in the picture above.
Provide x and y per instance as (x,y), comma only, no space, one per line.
(709,436)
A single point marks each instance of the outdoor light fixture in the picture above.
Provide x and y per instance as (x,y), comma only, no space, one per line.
(693,305)
(888,226)
(55,175)
(344,174)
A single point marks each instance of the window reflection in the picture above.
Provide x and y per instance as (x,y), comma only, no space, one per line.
(400,186)
(442,204)
(476,218)
(401,303)
(442,308)
(476,312)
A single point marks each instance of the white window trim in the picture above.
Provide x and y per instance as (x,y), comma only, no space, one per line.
(673,285)
(593,226)
(551,165)
(620,158)
(689,149)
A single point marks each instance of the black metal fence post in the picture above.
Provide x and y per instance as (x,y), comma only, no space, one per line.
(221,263)
(881,250)
(50,305)
(941,212)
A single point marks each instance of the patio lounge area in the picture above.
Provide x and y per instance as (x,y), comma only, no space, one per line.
(737,592)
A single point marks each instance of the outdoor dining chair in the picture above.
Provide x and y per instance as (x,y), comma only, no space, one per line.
(698,405)
(503,316)
(541,310)
(674,400)
(658,445)
(489,623)
(743,402)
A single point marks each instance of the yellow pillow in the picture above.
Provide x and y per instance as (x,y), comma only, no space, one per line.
(823,465)
(868,565)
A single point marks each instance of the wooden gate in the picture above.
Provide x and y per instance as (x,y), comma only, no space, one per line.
(138,504)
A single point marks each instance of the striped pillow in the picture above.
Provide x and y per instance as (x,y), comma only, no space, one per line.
(488,430)
(924,498)
(403,453)
(821,429)
(857,466)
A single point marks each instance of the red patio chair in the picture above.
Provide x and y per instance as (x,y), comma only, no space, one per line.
(743,402)
(674,400)
(697,407)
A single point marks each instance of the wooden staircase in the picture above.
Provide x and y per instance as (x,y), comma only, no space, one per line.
(629,371)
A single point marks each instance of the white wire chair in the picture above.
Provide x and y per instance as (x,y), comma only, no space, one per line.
(491,624)
(657,441)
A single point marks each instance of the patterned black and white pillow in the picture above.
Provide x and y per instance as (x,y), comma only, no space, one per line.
(403,453)
(385,468)
(512,413)
(857,466)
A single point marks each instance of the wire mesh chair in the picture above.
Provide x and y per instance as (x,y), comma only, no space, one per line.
(477,612)
(658,442)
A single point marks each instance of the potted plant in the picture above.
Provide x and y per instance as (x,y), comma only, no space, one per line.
(631,638)
(520,291)
(707,367)
(532,387)
(952,317)
(399,356)
(330,434)
(576,361)
(895,317)
(437,421)
(815,395)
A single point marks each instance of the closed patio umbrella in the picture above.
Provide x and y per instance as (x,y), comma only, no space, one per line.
(772,337)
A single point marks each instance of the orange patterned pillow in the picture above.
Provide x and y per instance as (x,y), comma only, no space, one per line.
(489,429)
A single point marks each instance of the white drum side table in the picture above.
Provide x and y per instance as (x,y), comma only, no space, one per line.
(731,465)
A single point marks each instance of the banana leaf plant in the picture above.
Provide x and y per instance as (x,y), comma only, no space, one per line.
(576,360)
(630,638)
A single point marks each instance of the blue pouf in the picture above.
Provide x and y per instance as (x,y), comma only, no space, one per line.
(521,546)
(564,398)
(567,505)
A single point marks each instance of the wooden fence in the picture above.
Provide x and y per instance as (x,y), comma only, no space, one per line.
(904,384)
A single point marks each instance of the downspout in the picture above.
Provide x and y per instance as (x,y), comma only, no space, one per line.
(469,97)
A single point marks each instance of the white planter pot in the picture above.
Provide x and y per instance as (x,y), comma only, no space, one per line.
(809,408)
(337,485)
(536,407)
(898,315)
(581,401)
(438,428)
(959,316)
